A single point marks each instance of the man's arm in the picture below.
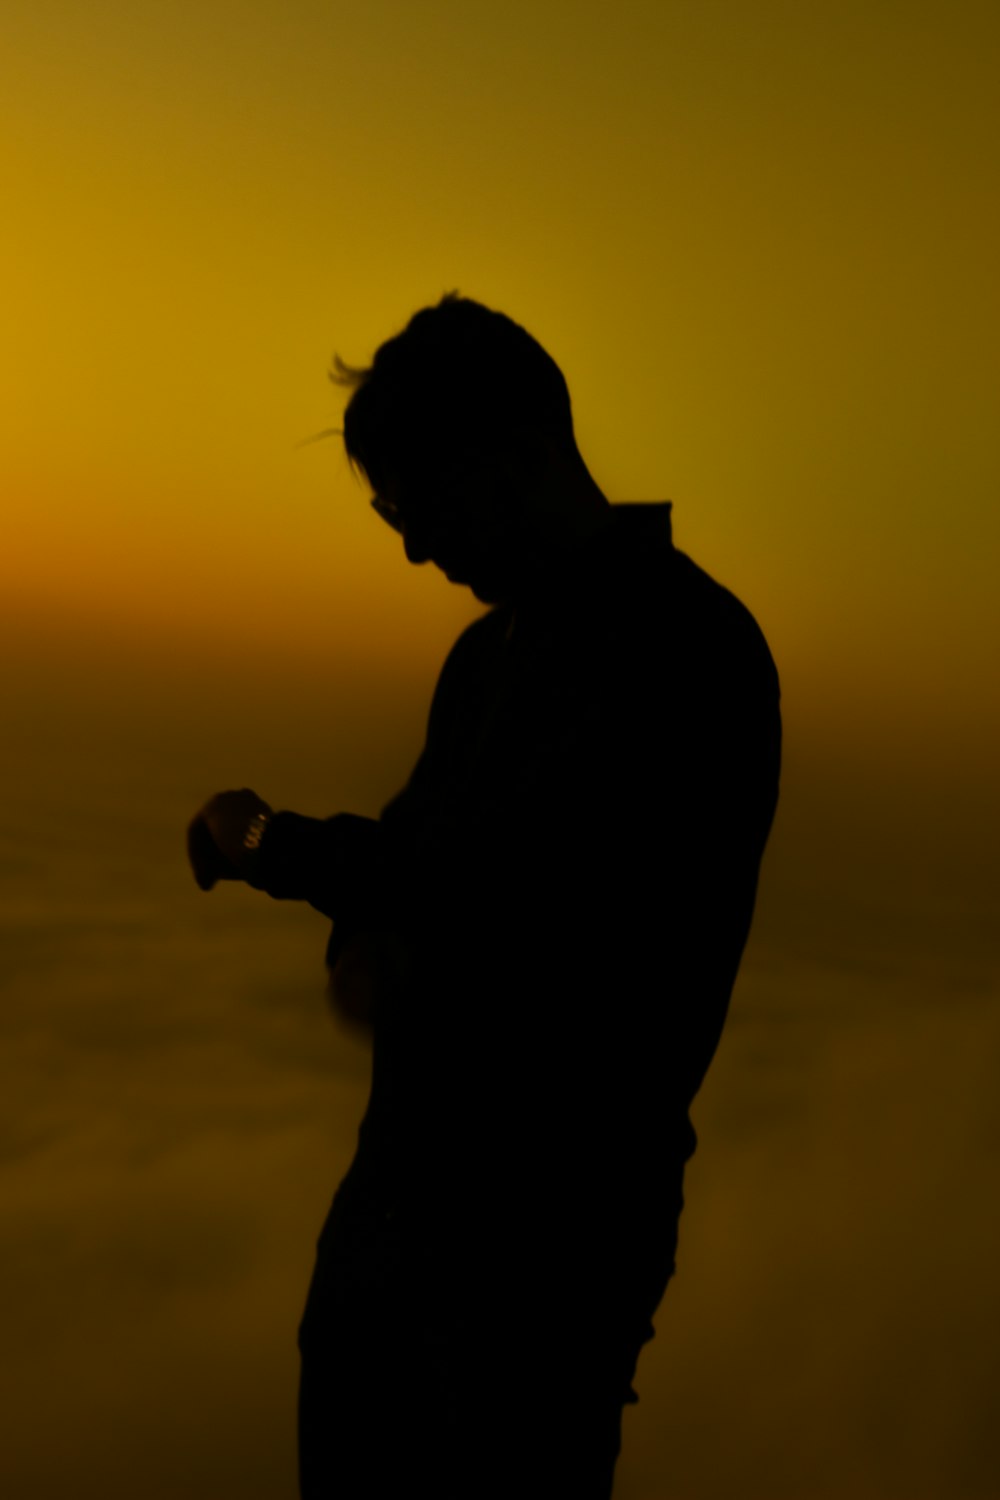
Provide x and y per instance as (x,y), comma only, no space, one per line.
(333,863)
(340,860)
(329,862)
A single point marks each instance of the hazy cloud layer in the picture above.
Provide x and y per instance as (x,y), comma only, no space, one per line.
(176,1107)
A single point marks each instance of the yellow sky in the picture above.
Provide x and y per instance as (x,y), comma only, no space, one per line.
(761,241)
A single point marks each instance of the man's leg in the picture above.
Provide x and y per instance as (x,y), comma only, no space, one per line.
(482,1394)
(541,1410)
(377,1397)
(388,1402)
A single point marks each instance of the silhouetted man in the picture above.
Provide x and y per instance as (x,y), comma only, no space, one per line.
(542,929)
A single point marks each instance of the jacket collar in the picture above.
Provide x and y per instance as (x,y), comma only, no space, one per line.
(574,576)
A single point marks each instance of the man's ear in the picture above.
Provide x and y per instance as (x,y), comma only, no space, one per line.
(531,452)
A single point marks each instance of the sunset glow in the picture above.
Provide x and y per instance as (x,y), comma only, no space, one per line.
(762,243)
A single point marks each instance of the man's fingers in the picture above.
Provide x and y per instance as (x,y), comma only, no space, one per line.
(215,835)
(203,856)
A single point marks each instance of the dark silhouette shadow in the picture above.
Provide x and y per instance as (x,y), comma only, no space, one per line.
(542,931)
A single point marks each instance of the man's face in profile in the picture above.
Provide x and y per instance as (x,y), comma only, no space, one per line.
(463,517)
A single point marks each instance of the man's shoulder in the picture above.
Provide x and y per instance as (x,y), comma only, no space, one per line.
(479,643)
(673,606)
(484,636)
(713,606)
(484,630)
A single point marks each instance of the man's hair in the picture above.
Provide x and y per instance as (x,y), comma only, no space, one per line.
(459,376)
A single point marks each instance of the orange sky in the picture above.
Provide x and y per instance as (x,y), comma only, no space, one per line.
(761,241)
(761,244)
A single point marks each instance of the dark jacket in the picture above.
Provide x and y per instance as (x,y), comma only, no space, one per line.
(568,880)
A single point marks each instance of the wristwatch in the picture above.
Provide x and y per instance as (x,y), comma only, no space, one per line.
(254,831)
(251,861)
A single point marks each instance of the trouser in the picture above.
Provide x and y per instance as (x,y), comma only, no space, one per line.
(475,1385)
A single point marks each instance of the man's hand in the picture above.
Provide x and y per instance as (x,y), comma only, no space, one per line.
(369,967)
(215,836)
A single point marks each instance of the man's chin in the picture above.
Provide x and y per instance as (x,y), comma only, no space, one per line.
(487,591)
(486,585)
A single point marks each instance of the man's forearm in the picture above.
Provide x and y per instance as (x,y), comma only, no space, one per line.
(328,862)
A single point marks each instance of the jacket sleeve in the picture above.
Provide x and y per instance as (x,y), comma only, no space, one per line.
(329,862)
(344,865)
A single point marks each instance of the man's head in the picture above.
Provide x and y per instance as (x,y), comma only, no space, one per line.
(462,426)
